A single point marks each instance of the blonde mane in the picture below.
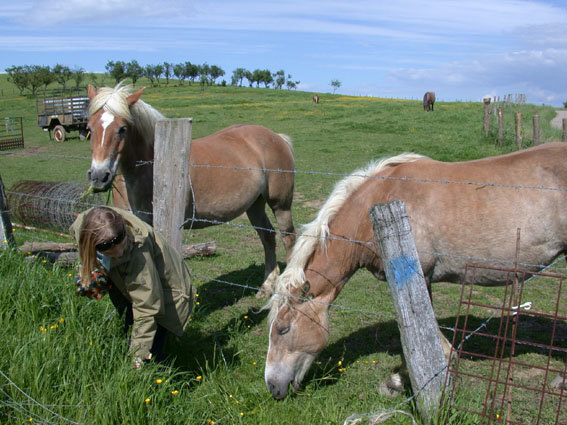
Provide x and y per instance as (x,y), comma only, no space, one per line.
(315,233)
(141,116)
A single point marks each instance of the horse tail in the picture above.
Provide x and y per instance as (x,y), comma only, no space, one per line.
(287,140)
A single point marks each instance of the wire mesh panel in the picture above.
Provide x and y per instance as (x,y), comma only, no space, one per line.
(510,368)
(52,205)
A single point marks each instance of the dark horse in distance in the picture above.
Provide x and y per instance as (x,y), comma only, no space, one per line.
(428,101)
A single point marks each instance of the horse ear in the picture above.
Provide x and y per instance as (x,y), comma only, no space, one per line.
(91,92)
(133,98)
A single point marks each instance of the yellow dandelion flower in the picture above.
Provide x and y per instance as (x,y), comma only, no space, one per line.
(42,329)
(53,326)
(44,261)
(70,275)
(246,317)
(236,403)
(197,303)
(230,396)
(90,343)
(196,295)
(175,392)
(365,361)
(341,370)
(31,419)
(147,400)
(373,361)
(497,416)
(61,320)
(29,253)
(210,422)
(340,363)
(198,378)
(253,363)
(241,413)
(159,381)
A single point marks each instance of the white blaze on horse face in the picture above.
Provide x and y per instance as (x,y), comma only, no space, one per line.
(106,119)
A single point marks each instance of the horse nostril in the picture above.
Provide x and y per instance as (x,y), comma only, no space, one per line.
(89,173)
(106,177)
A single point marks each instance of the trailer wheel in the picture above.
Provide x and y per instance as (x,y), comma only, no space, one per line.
(59,133)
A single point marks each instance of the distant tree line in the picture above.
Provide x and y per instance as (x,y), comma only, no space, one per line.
(35,77)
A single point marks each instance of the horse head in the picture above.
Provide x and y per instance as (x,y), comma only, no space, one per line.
(109,118)
(299,331)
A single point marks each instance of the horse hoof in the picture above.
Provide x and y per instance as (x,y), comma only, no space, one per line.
(393,386)
(558,382)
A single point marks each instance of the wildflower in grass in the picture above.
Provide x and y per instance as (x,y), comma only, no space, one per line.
(53,326)
(147,400)
(341,370)
(340,363)
(373,361)
(159,381)
(246,317)
(253,363)
(198,378)
(196,295)
(241,413)
(210,422)
(61,320)
(42,329)
(197,303)
(175,392)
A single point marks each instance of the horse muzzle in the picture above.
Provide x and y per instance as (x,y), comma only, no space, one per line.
(100,179)
(278,379)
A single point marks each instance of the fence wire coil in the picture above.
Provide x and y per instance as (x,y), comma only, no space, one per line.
(52,205)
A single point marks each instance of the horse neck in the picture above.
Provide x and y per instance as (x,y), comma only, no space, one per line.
(330,267)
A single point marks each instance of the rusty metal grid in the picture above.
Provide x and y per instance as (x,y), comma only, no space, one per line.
(509,363)
(11,133)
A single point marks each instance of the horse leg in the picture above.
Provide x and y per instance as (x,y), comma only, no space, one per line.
(285,225)
(257,216)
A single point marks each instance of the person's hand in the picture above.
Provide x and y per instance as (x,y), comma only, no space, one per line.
(138,362)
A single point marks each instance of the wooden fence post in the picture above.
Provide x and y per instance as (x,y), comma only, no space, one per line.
(171,176)
(486,101)
(6,236)
(418,327)
(500,127)
(536,130)
(564,131)
(518,117)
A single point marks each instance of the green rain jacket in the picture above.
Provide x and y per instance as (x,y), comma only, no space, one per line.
(152,276)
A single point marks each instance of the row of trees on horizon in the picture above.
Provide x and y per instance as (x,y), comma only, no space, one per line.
(35,77)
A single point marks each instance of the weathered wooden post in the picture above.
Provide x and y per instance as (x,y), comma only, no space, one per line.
(486,101)
(418,327)
(500,127)
(536,130)
(518,120)
(564,130)
(6,236)
(171,176)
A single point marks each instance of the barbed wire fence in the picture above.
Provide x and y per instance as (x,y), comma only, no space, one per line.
(62,209)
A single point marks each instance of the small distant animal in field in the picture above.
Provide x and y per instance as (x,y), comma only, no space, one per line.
(316,98)
(428,101)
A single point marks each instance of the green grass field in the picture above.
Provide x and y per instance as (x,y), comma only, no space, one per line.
(64,358)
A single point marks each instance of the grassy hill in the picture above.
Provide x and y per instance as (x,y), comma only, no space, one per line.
(69,354)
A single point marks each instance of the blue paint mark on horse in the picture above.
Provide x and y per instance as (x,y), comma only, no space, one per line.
(402,269)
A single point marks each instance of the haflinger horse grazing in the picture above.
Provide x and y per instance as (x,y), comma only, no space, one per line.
(457,211)
(428,101)
(232,170)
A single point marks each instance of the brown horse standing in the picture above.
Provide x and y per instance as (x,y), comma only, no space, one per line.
(232,170)
(458,212)
(316,98)
(428,101)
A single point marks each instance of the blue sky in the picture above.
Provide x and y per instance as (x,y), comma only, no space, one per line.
(463,50)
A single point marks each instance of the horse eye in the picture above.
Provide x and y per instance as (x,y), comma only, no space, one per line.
(282,330)
(122,131)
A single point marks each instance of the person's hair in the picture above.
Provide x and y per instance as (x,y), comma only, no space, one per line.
(100,225)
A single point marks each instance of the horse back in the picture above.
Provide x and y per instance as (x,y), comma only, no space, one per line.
(473,209)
